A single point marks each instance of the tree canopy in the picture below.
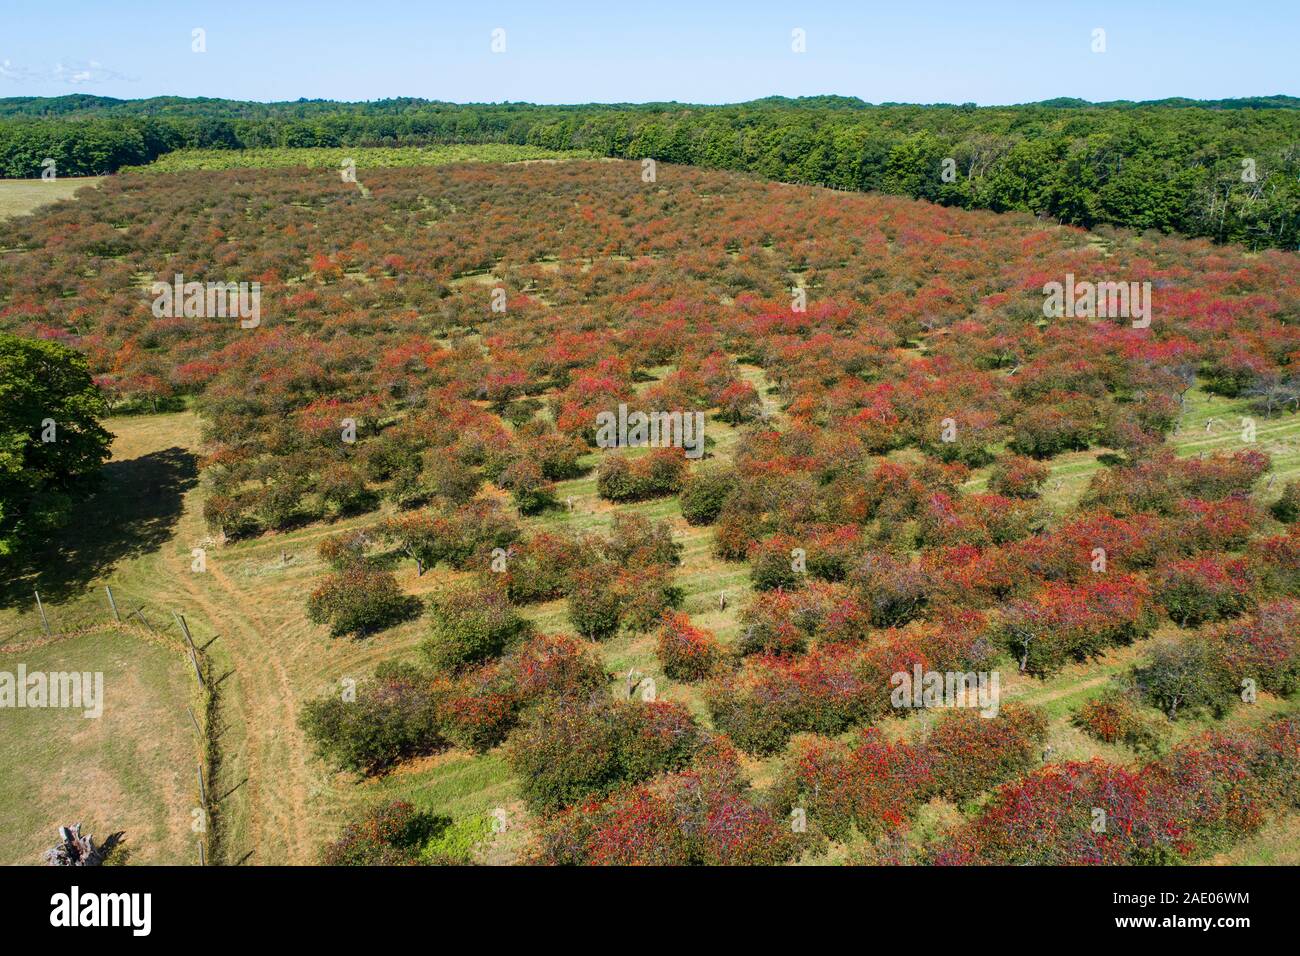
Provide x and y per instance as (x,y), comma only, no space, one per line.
(51,443)
(1227,169)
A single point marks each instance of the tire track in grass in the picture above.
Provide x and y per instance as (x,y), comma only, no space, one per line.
(275,785)
(273,723)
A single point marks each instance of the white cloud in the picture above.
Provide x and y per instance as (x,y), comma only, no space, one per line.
(92,71)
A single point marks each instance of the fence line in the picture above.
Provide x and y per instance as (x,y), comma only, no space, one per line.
(204,729)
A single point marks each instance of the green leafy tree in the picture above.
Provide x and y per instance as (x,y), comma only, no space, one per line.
(1185,677)
(469,624)
(359,600)
(51,442)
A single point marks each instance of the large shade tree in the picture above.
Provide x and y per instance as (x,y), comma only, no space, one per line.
(51,442)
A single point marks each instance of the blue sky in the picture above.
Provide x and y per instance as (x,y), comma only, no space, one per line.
(639,50)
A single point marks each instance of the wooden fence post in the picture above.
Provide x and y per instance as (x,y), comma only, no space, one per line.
(45,622)
(180,620)
(197,672)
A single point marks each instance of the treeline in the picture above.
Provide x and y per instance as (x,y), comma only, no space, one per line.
(1227,169)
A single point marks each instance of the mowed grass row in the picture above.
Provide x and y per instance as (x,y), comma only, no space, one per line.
(1213,424)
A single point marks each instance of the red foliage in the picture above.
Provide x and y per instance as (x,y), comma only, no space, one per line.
(686,652)
(1065,622)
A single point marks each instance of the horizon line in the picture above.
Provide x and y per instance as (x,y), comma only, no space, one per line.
(855,101)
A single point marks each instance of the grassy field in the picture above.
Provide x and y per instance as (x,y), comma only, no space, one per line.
(132,770)
(363,156)
(20,196)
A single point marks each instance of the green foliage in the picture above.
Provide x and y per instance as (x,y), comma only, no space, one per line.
(969,753)
(704,494)
(541,569)
(1287,508)
(1185,677)
(636,542)
(655,475)
(277,505)
(51,442)
(1116,717)
(595,604)
(771,564)
(455,841)
(393,717)
(1171,165)
(531,491)
(342,487)
(469,624)
(391,834)
(568,751)
(359,600)
(1203,589)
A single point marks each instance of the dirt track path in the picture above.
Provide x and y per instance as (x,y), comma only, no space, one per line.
(270,766)
(274,752)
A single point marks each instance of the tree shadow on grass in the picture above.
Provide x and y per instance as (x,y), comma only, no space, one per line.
(133,512)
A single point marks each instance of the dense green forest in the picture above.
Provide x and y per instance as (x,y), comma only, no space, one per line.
(1227,169)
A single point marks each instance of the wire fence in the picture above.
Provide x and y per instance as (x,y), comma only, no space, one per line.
(117,609)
